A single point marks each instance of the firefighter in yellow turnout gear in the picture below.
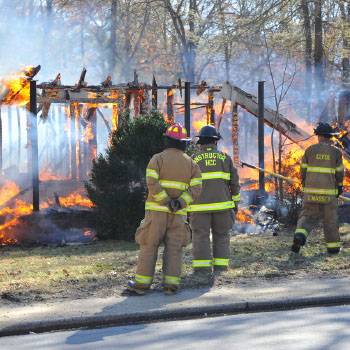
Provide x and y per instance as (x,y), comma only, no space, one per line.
(174,182)
(322,179)
(213,210)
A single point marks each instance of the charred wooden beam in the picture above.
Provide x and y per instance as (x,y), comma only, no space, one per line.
(235,134)
(18,136)
(210,109)
(154,94)
(45,106)
(34,145)
(188,107)
(250,104)
(201,87)
(7,96)
(107,82)
(170,106)
(43,100)
(261,137)
(81,82)
(180,86)
(73,157)
(1,141)
(31,72)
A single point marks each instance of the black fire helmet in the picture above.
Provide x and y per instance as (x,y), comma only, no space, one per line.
(209,131)
(324,129)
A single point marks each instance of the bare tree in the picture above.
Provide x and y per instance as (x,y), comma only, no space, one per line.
(279,93)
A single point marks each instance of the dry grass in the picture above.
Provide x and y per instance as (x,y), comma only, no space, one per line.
(103,268)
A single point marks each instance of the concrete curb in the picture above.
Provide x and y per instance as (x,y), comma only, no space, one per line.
(167,315)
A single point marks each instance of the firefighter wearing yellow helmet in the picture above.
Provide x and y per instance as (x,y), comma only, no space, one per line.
(174,182)
(213,210)
(322,179)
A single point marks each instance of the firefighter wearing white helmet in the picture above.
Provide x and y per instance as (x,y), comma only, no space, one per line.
(213,211)
(173,182)
(322,179)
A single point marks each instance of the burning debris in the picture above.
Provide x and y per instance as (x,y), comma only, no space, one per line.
(63,223)
(77,141)
(15,89)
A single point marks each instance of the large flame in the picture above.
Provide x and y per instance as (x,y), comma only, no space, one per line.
(10,215)
(16,88)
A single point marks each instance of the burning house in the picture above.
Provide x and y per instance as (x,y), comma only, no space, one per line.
(66,126)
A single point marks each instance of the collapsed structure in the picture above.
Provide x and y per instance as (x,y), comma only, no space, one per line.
(83,102)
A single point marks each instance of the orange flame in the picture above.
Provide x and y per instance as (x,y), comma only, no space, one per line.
(75,199)
(244,215)
(16,88)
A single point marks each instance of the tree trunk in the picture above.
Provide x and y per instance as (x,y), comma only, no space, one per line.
(308,53)
(190,52)
(318,52)
(47,32)
(345,15)
(113,38)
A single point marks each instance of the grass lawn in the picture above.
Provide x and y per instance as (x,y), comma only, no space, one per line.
(103,268)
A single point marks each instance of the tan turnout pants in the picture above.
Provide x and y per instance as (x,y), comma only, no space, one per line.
(310,215)
(220,224)
(157,228)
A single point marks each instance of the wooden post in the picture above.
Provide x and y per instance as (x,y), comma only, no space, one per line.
(210,109)
(19,138)
(154,94)
(29,141)
(34,144)
(261,136)
(93,140)
(0,141)
(170,106)
(77,112)
(10,133)
(73,156)
(188,107)
(115,114)
(234,134)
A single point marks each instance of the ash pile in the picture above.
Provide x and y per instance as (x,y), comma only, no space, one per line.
(256,218)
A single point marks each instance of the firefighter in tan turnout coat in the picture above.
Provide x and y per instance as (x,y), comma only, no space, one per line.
(174,182)
(213,210)
(322,179)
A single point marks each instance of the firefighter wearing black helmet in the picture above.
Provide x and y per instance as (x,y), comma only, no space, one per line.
(213,210)
(322,179)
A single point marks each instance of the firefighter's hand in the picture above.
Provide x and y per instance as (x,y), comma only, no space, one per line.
(235,209)
(340,190)
(174,205)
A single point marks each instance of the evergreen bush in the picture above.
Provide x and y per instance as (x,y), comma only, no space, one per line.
(117,185)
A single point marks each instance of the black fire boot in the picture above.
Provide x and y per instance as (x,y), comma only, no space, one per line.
(299,241)
(203,276)
(170,289)
(220,269)
(333,251)
(134,288)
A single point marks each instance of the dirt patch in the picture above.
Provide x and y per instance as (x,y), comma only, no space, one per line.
(103,268)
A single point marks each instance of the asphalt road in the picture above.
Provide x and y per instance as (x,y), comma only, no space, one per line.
(314,328)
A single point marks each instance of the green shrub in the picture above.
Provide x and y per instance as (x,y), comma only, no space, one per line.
(117,184)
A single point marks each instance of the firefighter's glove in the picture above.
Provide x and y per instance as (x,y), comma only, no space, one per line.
(235,209)
(174,205)
(340,190)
